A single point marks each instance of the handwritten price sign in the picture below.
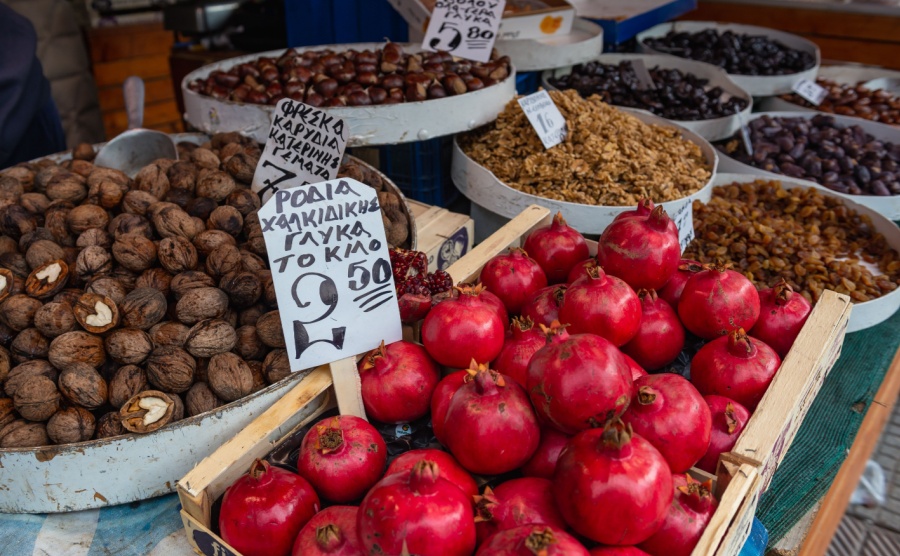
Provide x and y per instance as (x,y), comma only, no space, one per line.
(465,28)
(545,118)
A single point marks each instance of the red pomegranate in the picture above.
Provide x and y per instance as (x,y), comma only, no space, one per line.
(459,329)
(522,341)
(642,251)
(660,336)
(543,463)
(414,307)
(782,314)
(603,305)
(671,292)
(342,457)
(492,301)
(440,400)
(579,382)
(580,270)
(728,421)
(331,532)
(532,540)
(419,512)
(557,248)
(644,207)
(613,486)
(735,366)
(449,468)
(543,306)
(263,511)
(513,277)
(617,551)
(715,301)
(397,382)
(690,512)
(490,427)
(636,370)
(514,503)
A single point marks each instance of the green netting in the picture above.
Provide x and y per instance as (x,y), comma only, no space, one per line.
(829,429)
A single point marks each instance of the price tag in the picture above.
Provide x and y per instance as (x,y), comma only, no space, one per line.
(305,145)
(684,221)
(331,271)
(645,81)
(545,118)
(465,28)
(745,133)
(810,91)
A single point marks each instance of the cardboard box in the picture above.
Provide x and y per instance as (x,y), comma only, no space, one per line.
(442,235)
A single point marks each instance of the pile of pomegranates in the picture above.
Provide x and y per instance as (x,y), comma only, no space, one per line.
(558,428)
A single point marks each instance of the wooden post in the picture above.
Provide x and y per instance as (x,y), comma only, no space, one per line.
(347,387)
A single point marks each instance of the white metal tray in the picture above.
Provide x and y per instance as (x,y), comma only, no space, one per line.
(848,75)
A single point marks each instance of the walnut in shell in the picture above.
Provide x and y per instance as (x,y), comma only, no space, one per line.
(152,179)
(227,219)
(47,279)
(68,187)
(134,251)
(17,311)
(5,364)
(171,369)
(93,261)
(276,365)
(94,236)
(137,202)
(23,371)
(215,185)
(82,385)
(155,278)
(142,308)
(96,313)
(124,224)
(54,318)
(169,333)
(209,337)
(26,435)
(7,413)
(269,330)
(199,304)
(223,260)
(42,252)
(229,376)
(248,344)
(208,240)
(172,221)
(242,288)
(128,346)
(7,283)
(70,425)
(200,399)
(244,200)
(108,286)
(77,347)
(85,217)
(177,254)
(110,425)
(37,398)
(128,381)
(182,175)
(147,411)
(29,344)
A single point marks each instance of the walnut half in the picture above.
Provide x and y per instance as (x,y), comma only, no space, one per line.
(147,411)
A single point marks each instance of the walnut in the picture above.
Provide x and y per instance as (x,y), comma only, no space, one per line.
(37,398)
(227,219)
(81,167)
(128,346)
(204,158)
(178,410)
(44,174)
(42,252)
(152,179)
(223,260)
(15,263)
(7,283)
(201,303)
(256,242)
(47,279)
(229,376)
(24,371)
(69,296)
(11,189)
(54,318)
(200,207)
(182,175)
(189,280)
(208,240)
(172,221)
(200,399)
(93,261)
(137,202)
(6,333)
(7,415)
(56,220)
(125,223)
(107,194)
(201,374)
(250,315)
(17,311)
(276,365)
(269,295)
(83,151)
(252,262)
(94,236)
(180,197)
(259,379)
(82,385)
(68,187)
(70,425)
(248,344)
(5,364)
(244,200)
(8,245)
(243,288)
(177,254)
(27,240)
(231,317)
(35,203)
(147,411)
(23,174)
(85,217)
(135,252)
(156,208)
(168,334)
(155,278)
(209,337)
(171,369)
(109,287)
(15,221)
(215,185)
(108,174)
(142,308)
(96,313)
(26,435)
(76,347)
(128,278)
(110,425)
(128,381)
(242,166)
(269,330)
(29,344)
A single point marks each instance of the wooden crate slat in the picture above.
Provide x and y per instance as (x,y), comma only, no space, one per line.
(155,90)
(731,511)
(156,115)
(114,73)
(142,41)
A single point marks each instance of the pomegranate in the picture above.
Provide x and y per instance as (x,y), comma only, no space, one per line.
(418,512)
(459,329)
(263,511)
(557,248)
(534,539)
(671,292)
(636,370)
(543,306)
(490,427)
(578,381)
(735,366)
(603,305)
(331,532)
(690,512)
(670,414)
(397,382)
(717,300)
(617,551)
(492,301)
(522,341)
(413,307)
(342,457)
(644,207)
(543,462)
(641,250)
(782,313)
(612,486)
(728,420)
(449,468)
(514,503)
(660,336)
(580,270)
(440,400)
(513,277)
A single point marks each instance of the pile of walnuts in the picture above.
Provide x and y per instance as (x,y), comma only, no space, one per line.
(127,304)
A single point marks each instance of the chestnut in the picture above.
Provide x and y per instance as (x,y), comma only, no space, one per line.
(294,86)
(314,99)
(454,85)
(240,92)
(335,101)
(416,92)
(228,80)
(326,87)
(366,67)
(377,95)
(475,84)
(392,81)
(436,90)
(366,78)
(358,98)
(257,97)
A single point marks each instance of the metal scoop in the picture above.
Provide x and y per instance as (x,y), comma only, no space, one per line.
(133,149)
(889,84)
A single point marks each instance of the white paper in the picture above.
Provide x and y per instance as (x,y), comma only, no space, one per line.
(331,270)
(684,221)
(465,28)
(545,118)
(645,81)
(810,91)
(305,145)
(745,133)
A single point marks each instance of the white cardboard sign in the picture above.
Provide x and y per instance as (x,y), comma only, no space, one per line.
(464,28)
(305,145)
(645,80)
(811,91)
(545,118)
(684,221)
(331,270)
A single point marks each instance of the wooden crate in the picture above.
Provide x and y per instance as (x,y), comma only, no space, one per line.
(443,236)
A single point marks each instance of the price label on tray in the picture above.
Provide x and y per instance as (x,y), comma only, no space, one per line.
(684,221)
(644,79)
(305,145)
(810,91)
(545,118)
(331,270)
(465,28)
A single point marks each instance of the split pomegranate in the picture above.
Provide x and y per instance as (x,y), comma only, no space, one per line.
(263,511)
(413,307)
(397,382)
(532,540)
(580,270)
(735,366)
(418,512)
(617,551)
(612,486)
(603,305)
(557,248)
(636,370)
(782,314)
(514,503)
(513,277)
(690,512)
(670,413)
(577,382)
(331,532)
(728,421)
(459,329)
(543,462)
(490,426)
(641,250)
(543,305)
(716,301)
(440,401)
(671,292)
(449,468)
(342,457)
(522,341)
(660,336)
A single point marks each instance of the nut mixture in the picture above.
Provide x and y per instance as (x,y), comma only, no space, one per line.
(854,100)
(609,157)
(811,240)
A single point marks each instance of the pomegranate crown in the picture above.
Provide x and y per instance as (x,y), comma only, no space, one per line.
(484,505)
(730,418)
(689,265)
(558,221)
(470,289)
(258,468)
(538,542)
(647,295)
(329,436)
(740,344)
(329,536)
(616,433)
(370,358)
(658,218)
(555,331)
(484,376)
(522,323)
(695,494)
(783,292)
